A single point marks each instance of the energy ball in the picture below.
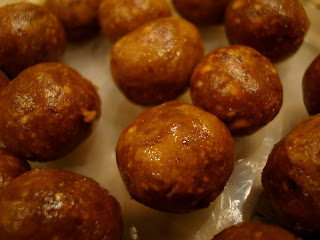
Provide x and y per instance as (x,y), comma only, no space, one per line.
(275,28)
(29,34)
(53,204)
(175,157)
(47,110)
(11,167)
(238,85)
(205,12)
(119,17)
(311,87)
(254,231)
(4,81)
(291,177)
(154,63)
(79,17)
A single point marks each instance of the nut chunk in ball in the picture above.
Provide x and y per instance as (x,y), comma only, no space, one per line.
(238,85)
(175,157)
(47,110)
(291,177)
(276,28)
(154,63)
(311,87)
(254,231)
(119,17)
(29,34)
(54,204)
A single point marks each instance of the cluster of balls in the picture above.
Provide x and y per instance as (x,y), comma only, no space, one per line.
(174,157)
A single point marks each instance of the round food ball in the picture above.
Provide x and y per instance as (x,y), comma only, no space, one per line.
(47,110)
(238,85)
(254,231)
(175,157)
(119,17)
(29,34)
(203,12)
(11,167)
(4,81)
(291,177)
(311,87)
(79,17)
(154,63)
(53,204)
(276,28)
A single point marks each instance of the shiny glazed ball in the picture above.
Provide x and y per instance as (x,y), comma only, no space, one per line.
(79,17)
(291,177)
(238,85)
(119,17)
(275,28)
(311,87)
(53,204)
(11,167)
(254,231)
(47,110)
(175,157)
(154,63)
(29,34)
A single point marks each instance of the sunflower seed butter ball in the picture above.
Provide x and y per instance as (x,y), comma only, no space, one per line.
(29,34)
(311,87)
(255,231)
(80,18)
(175,157)
(154,63)
(47,110)
(119,17)
(238,85)
(54,204)
(11,167)
(291,178)
(4,80)
(275,28)
(203,12)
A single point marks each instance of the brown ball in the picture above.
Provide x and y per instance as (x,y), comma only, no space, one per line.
(29,34)
(79,17)
(53,204)
(154,63)
(119,17)
(11,167)
(4,81)
(47,110)
(203,12)
(276,28)
(291,177)
(238,85)
(311,87)
(175,157)
(254,231)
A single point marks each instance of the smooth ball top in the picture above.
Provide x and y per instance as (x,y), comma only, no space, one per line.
(175,157)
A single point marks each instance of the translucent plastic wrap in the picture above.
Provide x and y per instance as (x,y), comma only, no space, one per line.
(96,156)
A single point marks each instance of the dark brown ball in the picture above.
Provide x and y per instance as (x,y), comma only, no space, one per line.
(203,12)
(79,17)
(29,34)
(53,204)
(47,110)
(254,231)
(238,85)
(11,167)
(154,63)
(119,17)
(175,157)
(291,177)
(276,28)
(4,81)
(311,87)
